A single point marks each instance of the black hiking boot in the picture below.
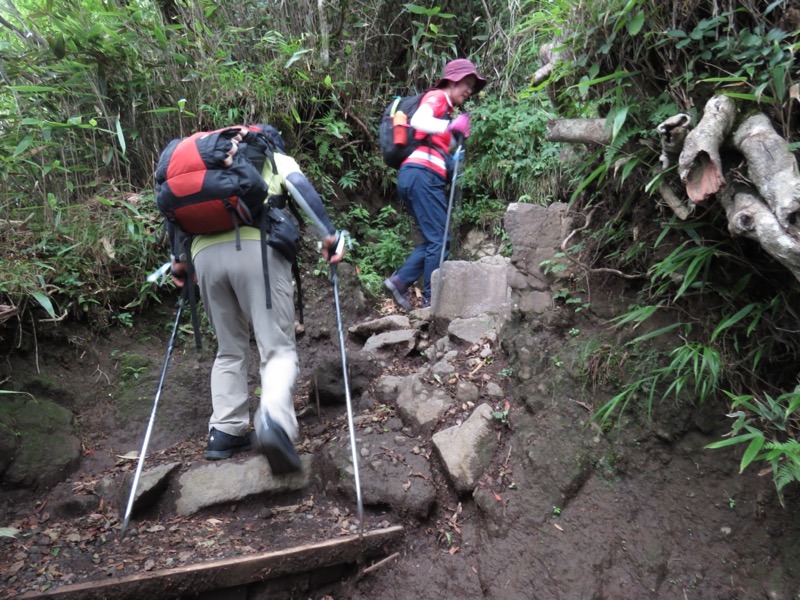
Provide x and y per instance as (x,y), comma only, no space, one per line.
(273,442)
(399,290)
(223,445)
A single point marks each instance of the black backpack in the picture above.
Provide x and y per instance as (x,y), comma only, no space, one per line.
(199,194)
(394,154)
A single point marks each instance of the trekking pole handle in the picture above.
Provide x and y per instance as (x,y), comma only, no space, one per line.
(160,273)
(338,243)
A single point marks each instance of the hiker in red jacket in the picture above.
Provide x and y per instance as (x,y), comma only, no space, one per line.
(423,176)
(233,291)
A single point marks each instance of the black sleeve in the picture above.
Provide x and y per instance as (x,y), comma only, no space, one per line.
(308,199)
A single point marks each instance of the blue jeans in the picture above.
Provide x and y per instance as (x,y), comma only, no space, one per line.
(422,192)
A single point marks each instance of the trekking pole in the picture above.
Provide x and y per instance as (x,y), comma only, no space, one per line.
(140,464)
(335,283)
(435,299)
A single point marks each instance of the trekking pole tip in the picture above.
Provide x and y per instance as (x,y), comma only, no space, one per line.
(123,529)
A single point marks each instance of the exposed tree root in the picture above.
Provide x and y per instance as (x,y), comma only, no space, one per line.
(773,170)
(748,216)
(699,164)
(578,131)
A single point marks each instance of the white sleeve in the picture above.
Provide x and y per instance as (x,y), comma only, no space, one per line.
(423,120)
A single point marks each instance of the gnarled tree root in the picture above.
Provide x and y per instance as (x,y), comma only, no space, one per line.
(578,131)
(699,164)
(750,217)
(773,170)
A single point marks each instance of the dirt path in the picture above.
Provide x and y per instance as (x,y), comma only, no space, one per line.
(566,511)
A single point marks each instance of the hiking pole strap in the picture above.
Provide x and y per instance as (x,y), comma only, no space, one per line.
(296,275)
(264,260)
(188,288)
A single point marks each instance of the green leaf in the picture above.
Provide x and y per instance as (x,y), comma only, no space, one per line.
(635,25)
(32,88)
(732,320)
(8,532)
(45,302)
(657,333)
(752,451)
(120,136)
(734,440)
(295,57)
(22,146)
(619,121)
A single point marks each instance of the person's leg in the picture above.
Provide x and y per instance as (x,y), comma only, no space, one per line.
(275,421)
(407,189)
(274,333)
(229,373)
(429,202)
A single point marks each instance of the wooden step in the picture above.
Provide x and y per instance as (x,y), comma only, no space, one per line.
(232,572)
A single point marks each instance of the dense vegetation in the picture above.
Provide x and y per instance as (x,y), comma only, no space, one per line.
(93,89)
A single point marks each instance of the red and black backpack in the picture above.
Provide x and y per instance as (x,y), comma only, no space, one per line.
(199,194)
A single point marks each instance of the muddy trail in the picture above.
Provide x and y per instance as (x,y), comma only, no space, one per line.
(568,509)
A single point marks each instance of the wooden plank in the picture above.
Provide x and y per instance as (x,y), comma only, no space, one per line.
(230,572)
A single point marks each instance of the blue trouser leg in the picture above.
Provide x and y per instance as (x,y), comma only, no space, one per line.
(422,191)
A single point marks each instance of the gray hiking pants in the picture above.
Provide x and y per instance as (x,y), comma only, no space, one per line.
(232,287)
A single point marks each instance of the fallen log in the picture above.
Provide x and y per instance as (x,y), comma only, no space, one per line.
(772,168)
(699,164)
(578,131)
(750,217)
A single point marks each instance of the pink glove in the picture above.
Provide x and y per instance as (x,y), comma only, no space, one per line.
(460,125)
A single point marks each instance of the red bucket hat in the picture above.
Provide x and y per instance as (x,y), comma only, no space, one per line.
(459,68)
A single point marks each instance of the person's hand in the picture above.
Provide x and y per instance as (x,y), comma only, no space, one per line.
(460,125)
(178,273)
(333,247)
(235,140)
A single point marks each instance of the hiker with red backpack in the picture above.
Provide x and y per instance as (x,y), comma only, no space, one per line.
(230,268)
(423,175)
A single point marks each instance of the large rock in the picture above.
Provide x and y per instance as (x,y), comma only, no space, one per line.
(401,341)
(467,449)
(392,471)
(536,233)
(470,289)
(39,442)
(225,482)
(420,407)
(151,485)
(327,380)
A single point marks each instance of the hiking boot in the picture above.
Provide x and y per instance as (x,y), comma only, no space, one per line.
(273,442)
(399,291)
(223,445)
(425,303)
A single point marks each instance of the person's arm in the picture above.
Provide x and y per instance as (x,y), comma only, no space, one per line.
(423,120)
(178,269)
(308,199)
